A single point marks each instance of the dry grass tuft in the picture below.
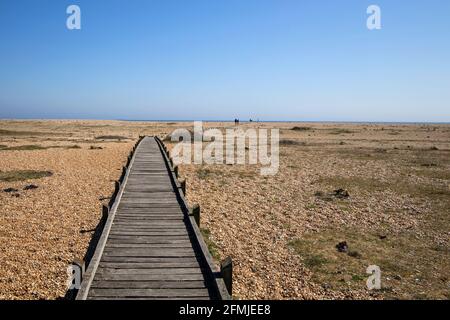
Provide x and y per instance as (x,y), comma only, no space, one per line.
(21,175)
(14,133)
(111,137)
(24,148)
(337,131)
(301,128)
(289,142)
(212,247)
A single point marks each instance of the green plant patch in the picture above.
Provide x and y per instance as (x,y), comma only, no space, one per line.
(212,247)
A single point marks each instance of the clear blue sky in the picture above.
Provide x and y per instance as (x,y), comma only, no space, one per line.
(221,59)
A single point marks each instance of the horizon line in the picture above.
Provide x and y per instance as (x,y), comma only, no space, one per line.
(229,120)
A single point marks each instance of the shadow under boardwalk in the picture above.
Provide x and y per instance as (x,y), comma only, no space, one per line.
(148,250)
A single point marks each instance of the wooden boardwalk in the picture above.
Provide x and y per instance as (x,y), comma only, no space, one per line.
(150,248)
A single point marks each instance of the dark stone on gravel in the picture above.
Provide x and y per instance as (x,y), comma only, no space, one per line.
(31,187)
(341,193)
(342,246)
(9,190)
(327,286)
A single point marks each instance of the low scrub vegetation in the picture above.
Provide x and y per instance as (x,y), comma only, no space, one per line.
(288,142)
(301,128)
(21,175)
(212,247)
(111,137)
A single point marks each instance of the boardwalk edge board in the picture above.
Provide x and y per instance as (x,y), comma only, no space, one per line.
(213,269)
(88,275)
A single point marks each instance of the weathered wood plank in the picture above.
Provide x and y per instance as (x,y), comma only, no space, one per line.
(148,298)
(151,221)
(146,245)
(160,232)
(148,252)
(149,284)
(150,218)
(149,240)
(150,237)
(151,265)
(149,277)
(147,206)
(138,211)
(145,271)
(149,259)
(150,292)
(152,252)
(175,225)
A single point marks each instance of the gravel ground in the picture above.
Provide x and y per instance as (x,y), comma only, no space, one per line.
(253,219)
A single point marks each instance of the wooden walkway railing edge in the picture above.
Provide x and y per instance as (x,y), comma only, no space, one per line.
(214,271)
(88,275)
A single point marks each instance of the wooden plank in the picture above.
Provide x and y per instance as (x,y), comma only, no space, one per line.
(149,259)
(148,205)
(153,219)
(124,217)
(151,238)
(154,236)
(148,196)
(149,284)
(144,271)
(150,252)
(151,201)
(175,230)
(151,265)
(146,245)
(149,277)
(148,240)
(159,232)
(179,292)
(148,215)
(152,298)
(148,226)
(128,214)
(138,211)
